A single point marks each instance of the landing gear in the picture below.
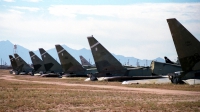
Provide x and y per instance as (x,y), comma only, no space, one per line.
(32,73)
(16,73)
(175,78)
(92,77)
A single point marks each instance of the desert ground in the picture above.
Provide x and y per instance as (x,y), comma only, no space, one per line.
(35,93)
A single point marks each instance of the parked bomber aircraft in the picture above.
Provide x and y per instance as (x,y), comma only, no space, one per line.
(71,67)
(167,60)
(23,67)
(52,67)
(111,69)
(188,50)
(157,68)
(85,63)
(38,64)
(160,68)
(13,64)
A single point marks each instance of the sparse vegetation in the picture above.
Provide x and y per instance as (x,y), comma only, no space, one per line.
(29,96)
(80,80)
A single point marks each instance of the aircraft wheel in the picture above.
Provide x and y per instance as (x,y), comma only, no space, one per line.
(17,73)
(175,80)
(41,74)
(93,78)
(59,75)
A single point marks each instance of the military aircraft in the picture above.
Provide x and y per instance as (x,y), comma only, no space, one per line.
(38,64)
(13,64)
(188,50)
(23,67)
(109,68)
(157,68)
(52,67)
(71,67)
(85,63)
(160,68)
(167,60)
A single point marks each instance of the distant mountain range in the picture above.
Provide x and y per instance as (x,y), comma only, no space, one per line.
(6,48)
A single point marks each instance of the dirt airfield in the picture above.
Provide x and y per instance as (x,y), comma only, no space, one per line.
(34,93)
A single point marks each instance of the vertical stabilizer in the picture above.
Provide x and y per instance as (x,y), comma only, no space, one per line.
(187,46)
(84,61)
(23,66)
(68,62)
(167,60)
(13,62)
(50,63)
(104,60)
(38,64)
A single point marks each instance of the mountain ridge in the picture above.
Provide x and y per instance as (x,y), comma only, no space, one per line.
(24,53)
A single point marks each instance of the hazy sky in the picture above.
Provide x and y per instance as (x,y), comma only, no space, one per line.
(124,27)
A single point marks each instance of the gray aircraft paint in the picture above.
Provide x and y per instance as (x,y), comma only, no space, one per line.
(22,65)
(13,62)
(188,50)
(111,69)
(105,62)
(70,65)
(159,68)
(38,64)
(50,63)
(84,61)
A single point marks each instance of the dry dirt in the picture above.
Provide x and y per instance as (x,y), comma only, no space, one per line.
(32,93)
(142,90)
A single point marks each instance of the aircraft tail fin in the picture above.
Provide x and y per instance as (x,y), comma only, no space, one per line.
(38,64)
(68,62)
(167,60)
(23,66)
(84,61)
(187,46)
(13,62)
(50,63)
(105,62)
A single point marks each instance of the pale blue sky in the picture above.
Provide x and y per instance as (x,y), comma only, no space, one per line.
(124,27)
(92,2)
